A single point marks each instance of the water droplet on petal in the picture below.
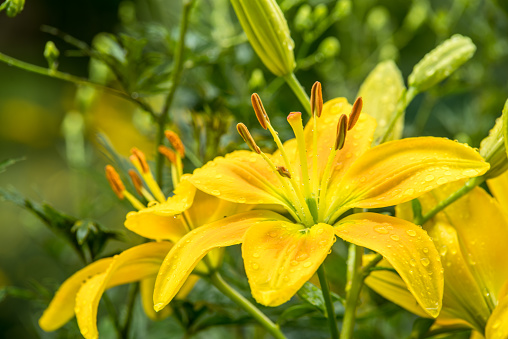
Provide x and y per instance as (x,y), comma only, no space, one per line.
(394,237)
(255,255)
(411,233)
(215,192)
(255,266)
(425,261)
(307,264)
(381,229)
(412,262)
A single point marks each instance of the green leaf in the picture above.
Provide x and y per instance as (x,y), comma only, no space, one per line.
(314,296)
(295,312)
(9,162)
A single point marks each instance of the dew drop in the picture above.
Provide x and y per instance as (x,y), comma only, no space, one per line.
(301,256)
(411,233)
(218,176)
(255,266)
(242,200)
(394,237)
(425,261)
(255,255)
(215,192)
(425,250)
(412,262)
(307,264)
(381,229)
(442,181)
(429,177)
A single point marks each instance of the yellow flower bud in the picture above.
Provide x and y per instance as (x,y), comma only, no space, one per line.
(494,147)
(268,33)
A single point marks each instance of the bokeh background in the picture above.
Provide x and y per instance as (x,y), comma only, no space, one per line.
(54,130)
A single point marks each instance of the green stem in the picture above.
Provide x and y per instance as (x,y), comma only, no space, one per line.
(71,78)
(334,331)
(468,186)
(112,314)
(355,285)
(131,299)
(300,93)
(240,300)
(174,80)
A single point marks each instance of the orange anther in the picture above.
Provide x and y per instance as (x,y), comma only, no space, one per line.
(115,181)
(139,158)
(169,154)
(257,104)
(176,142)
(355,112)
(316,99)
(136,181)
(247,137)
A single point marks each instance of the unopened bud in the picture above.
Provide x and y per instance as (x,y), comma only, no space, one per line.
(247,137)
(268,33)
(342,128)
(259,109)
(316,99)
(115,181)
(176,142)
(139,160)
(355,113)
(13,7)
(169,154)
(442,61)
(494,147)
(136,181)
(283,171)
(51,54)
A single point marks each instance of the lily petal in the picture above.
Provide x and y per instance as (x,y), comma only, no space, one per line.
(497,327)
(407,248)
(134,264)
(499,187)
(61,307)
(223,177)
(187,253)
(159,221)
(294,254)
(400,170)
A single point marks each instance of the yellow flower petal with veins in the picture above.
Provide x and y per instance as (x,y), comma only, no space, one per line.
(187,253)
(61,308)
(407,248)
(399,171)
(499,187)
(280,257)
(134,264)
(497,327)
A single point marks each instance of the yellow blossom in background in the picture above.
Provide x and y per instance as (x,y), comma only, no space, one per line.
(165,220)
(471,237)
(316,177)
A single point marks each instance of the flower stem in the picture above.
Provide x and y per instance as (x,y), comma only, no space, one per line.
(468,186)
(174,81)
(355,284)
(300,93)
(241,301)
(334,331)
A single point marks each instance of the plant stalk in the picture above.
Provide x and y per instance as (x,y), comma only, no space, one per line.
(300,93)
(355,285)
(332,323)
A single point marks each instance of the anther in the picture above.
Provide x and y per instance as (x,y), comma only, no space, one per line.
(176,142)
(136,181)
(169,154)
(138,159)
(115,182)
(355,112)
(342,128)
(247,137)
(257,104)
(316,99)
(283,171)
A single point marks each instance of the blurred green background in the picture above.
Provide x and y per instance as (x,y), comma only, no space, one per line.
(336,42)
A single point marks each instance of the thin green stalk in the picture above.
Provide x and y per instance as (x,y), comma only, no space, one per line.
(300,93)
(112,314)
(332,323)
(468,186)
(355,286)
(131,299)
(174,80)
(71,78)
(240,300)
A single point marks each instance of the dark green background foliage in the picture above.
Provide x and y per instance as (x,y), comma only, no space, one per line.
(337,43)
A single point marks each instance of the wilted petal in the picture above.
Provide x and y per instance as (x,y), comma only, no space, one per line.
(280,257)
(398,171)
(407,248)
(187,253)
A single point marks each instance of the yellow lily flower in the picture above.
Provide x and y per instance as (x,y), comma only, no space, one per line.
(316,187)
(471,236)
(165,220)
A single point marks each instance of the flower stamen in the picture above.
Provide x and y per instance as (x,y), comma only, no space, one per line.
(316,104)
(138,159)
(355,113)
(119,188)
(138,185)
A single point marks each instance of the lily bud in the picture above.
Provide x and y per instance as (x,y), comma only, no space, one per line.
(268,33)
(441,62)
(494,147)
(51,54)
(13,7)
(247,137)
